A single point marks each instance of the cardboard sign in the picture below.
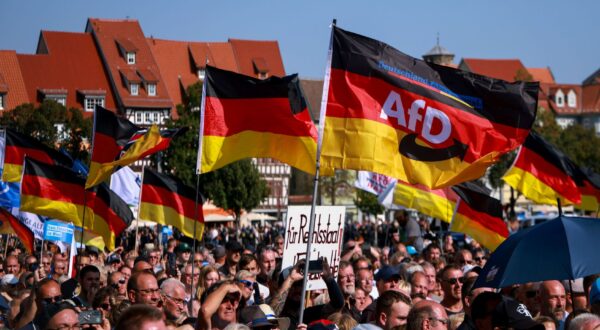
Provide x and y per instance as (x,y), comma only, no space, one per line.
(327,238)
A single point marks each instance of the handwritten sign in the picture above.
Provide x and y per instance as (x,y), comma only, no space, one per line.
(327,238)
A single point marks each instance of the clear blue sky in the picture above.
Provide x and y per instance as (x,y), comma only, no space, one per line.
(563,35)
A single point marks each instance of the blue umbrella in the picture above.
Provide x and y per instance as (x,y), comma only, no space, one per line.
(559,249)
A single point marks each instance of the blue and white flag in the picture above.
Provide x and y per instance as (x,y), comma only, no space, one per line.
(32,221)
(373,182)
(127,184)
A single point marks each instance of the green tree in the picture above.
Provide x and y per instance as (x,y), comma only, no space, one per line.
(53,125)
(367,203)
(235,187)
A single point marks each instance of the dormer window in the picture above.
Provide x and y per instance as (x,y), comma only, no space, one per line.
(151,89)
(559,98)
(130,58)
(572,99)
(57,95)
(260,67)
(201,73)
(92,101)
(134,89)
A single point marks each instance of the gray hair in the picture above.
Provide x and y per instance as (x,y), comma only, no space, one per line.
(236,326)
(579,321)
(169,285)
(243,273)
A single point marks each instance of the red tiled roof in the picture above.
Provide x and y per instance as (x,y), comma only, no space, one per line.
(565,88)
(127,45)
(130,76)
(148,75)
(107,33)
(247,52)
(505,69)
(13,79)
(72,63)
(591,99)
(543,75)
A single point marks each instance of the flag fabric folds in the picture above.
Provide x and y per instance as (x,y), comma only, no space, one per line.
(127,184)
(479,216)
(389,113)
(244,117)
(58,193)
(168,201)
(118,142)
(9,224)
(589,188)
(18,145)
(436,203)
(543,174)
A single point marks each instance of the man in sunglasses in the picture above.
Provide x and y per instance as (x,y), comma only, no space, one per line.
(451,279)
(245,280)
(117,280)
(46,292)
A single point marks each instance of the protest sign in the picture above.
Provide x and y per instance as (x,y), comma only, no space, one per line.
(326,240)
(58,231)
(373,182)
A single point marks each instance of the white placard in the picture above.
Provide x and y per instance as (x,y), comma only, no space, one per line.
(327,238)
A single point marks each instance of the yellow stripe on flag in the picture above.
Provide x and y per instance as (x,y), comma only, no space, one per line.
(165,215)
(425,202)
(371,146)
(65,211)
(299,152)
(486,237)
(532,188)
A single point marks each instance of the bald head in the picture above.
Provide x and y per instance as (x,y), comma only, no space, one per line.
(142,266)
(552,300)
(426,314)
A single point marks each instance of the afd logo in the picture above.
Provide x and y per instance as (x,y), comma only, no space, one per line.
(421,120)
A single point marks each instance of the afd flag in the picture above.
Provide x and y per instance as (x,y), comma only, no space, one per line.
(9,194)
(32,221)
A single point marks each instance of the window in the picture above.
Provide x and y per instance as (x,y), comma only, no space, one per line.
(60,99)
(156,116)
(559,98)
(138,117)
(1,101)
(92,101)
(201,74)
(130,58)
(134,89)
(147,119)
(572,99)
(151,89)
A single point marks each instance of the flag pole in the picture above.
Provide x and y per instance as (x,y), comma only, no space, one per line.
(559,207)
(137,219)
(82,226)
(195,239)
(311,223)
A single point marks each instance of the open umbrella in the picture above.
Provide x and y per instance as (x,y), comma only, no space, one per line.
(559,249)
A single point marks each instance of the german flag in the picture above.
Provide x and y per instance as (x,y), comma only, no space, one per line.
(589,188)
(244,117)
(9,224)
(117,142)
(18,145)
(389,113)
(479,216)
(168,201)
(436,203)
(543,174)
(58,193)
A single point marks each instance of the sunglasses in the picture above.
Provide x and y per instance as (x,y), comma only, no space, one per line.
(51,300)
(454,280)
(246,283)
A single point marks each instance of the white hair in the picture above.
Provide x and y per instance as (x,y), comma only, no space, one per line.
(579,321)
(169,285)
(236,326)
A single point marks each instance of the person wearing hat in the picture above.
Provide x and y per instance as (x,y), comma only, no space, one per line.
(263,317)
(386,279)
(234,253)
(183,251)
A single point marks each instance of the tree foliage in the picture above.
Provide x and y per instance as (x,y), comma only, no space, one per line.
(235,187)
(367,203)
(43,123)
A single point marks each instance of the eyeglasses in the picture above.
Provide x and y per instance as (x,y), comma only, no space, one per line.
(175,300)
(248,284)
(454,280)
(51,300)
(148,292)
(442,321)
(67,327)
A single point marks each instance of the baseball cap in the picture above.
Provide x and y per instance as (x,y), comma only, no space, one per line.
(509,313)
(595,292)
(234,246)
(263,315)
(387,272)
(183,247)
(219,252)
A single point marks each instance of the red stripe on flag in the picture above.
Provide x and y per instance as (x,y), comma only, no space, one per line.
(16,155)
(486,220)
(109,148)
(160,196)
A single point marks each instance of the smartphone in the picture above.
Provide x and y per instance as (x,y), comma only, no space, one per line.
(90,317)
(315,266)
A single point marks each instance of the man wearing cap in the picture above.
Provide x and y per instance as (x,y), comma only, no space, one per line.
(387,279)
(234,253)
(553,301)
(507,313)
(183,251)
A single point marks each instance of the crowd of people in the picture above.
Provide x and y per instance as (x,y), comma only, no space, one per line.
(412,281)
